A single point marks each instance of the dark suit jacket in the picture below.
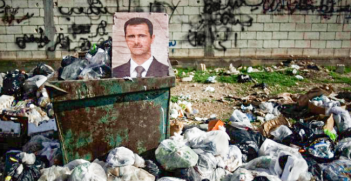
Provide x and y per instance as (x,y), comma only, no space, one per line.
(156,69)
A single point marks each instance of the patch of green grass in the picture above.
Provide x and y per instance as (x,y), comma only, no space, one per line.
(201,77)
(204,100)
(228,79)
(347,89)
(339,78)
(333,68)
(274,78)
(185,70)
(174,99)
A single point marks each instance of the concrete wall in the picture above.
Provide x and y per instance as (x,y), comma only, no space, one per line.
(47,29)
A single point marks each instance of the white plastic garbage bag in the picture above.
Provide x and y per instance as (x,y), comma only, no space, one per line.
(55,173)
(120,156)
(129,173)
(139,161)
(242,174)
(88,172)
(344,147)
(170,179)
(272,148)
(239,120)
(210,167)
(233,159)
(214,142)
(73,164)
(173,155)
(341,117)
(281,132)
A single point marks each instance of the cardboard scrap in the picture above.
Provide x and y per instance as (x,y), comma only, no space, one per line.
(317,91)
(269,126)
(329,123)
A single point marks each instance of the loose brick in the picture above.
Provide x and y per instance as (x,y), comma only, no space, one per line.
(302,44)
(311,36)
(342,36)
(14,30)
(271,44)
(36,21)
(280,35)
(264,35)
(303,26)
(248,52)
(196,52)
(346,44)
(247,35)
(24,54)
(318,44)
(297,18)
(342,52)
(264,52)
(232,52)
(256,27)
(335,27)
(192,10)
(281,18)
(287,43)
(319,27)
(295,51)
(255,43)
(264,18)
(280,52)
(310,52)
(327,36)
(7,38)
(334,44)
(295,36)
(287,26)
(271,27)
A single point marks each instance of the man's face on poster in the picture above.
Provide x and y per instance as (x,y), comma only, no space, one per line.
(138,39)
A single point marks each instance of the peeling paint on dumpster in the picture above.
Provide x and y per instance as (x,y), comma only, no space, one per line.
(99,115)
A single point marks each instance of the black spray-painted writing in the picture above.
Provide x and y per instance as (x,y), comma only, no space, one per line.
(101,29)
(10,13)
(79,29)
(42,40)
(95,8)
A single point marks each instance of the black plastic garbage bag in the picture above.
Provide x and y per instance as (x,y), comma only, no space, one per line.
(244,78)
(303,133)
(72,71)
(321,148)
(152,168)
(249,142)
(188,174)
(30,172)
(43,69)
(67,60)
(13,83)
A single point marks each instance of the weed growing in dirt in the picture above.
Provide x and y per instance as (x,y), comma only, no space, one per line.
(274,78)
(174,99)
(337,78)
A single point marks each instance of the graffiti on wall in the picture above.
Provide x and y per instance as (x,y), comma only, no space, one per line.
(42,40)
(9,14)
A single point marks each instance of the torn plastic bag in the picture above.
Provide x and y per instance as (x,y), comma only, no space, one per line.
(55,173)
(188,174)
(73,164)
(233,159)
(321,148)
(341,117)
(272,124)
(36,115)
(43,69)
(67,60)
(96,61)
(281,132)
(248,141)
(173,155)
(272,148)
(243,174)
(239,120)
(120,156)
(343,148)
(129,173)
(35,144)
(170,179)
(139,161)
(51,150)
(25,168)
(208,167)
(191,135)
(72,71)
(337,170)
(31,85)
(88,172)
(6,102)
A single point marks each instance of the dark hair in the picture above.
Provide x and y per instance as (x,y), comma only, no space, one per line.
(138,21)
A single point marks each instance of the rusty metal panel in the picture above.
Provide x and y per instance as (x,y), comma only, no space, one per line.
(97,116)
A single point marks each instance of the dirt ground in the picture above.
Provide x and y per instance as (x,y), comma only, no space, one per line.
(209,103)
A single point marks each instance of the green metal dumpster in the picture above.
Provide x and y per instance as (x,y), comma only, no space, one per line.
(99,115)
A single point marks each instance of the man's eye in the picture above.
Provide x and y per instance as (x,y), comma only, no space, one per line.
(131,36)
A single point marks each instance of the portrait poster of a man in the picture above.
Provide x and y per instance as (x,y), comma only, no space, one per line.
(140,45)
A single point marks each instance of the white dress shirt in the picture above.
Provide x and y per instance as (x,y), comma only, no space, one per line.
(145,65)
